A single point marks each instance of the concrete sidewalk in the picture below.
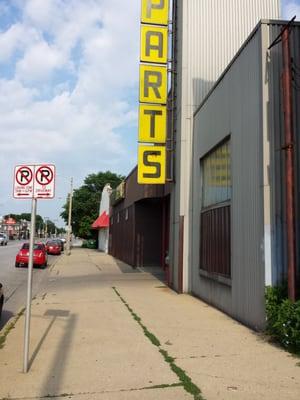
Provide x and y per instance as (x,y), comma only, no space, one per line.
(102,330)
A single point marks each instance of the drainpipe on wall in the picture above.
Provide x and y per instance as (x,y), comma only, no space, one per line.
(289,163)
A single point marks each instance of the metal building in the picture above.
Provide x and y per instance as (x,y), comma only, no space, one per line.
(238,232)
(207,34)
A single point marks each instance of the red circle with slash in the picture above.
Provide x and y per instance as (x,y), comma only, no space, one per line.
(44,175)
(24,176)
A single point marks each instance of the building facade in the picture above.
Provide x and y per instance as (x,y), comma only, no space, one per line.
(208,34)
(102,222)
(238,233)
(139,224)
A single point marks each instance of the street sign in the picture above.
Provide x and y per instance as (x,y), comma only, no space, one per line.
(23,181)
(34,181)
(44,184)
(151,164)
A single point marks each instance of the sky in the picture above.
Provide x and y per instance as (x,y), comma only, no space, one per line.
(69,91)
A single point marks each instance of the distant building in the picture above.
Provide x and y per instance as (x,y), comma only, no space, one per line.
(102,222)
(14,229)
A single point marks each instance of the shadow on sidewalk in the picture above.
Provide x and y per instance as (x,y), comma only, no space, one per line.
(52,383)
(55,314)
(155,271)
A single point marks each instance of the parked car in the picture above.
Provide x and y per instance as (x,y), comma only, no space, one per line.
(1,299)
(60,242)
(40,258)
(3,239)
(53,247)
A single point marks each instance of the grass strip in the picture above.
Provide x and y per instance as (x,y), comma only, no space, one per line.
(185,380)
(9,327)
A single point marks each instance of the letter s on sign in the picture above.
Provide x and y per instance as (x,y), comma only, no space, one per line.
(148,163)
(152,164)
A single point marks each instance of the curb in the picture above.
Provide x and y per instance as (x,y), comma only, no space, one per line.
(10,324)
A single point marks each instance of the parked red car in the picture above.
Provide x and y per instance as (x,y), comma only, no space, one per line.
(39,255)
(53,247)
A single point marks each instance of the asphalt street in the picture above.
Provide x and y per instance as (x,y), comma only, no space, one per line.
(14,280)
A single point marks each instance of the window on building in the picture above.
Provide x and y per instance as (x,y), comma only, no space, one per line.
(215,228)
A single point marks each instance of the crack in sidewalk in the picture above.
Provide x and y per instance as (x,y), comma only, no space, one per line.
(70,395)
(185,380)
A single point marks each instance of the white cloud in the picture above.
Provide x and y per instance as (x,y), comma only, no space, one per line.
(17,37)
(13,96)
(84,56)
(39,62)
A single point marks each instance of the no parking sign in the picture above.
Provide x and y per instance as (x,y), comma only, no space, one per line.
(44,186)
(34,181)
(23,183)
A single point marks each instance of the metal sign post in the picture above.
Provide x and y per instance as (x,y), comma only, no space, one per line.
(69,232)
(29,286)
(32,182)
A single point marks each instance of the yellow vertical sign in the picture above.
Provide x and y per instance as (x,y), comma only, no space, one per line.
(152,123)
(153,92)
(153,84)
(155,12)
(152,164)
(154,44)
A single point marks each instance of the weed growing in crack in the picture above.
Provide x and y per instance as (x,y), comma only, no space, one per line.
(185,380)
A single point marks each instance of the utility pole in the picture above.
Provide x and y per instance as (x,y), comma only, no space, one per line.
(69,232)
(46,227)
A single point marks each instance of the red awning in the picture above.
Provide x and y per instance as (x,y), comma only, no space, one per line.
(102,221)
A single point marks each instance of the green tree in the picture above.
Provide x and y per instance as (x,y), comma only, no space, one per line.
(86,201)
(27,216)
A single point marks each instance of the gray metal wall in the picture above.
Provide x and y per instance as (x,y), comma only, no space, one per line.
(274,121)
(246,104)
(235,108)
(209,33)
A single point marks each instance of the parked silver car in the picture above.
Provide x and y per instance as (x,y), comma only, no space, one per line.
(3,239)
(1,299)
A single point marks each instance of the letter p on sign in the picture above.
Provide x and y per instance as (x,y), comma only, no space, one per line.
(155,12)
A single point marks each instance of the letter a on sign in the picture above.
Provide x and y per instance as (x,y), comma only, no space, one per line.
(155,12)
(154,44)
(152,164)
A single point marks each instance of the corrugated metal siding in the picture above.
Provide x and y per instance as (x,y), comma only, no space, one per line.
(209,34)
(236,101)
(275,118)
(216,30)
